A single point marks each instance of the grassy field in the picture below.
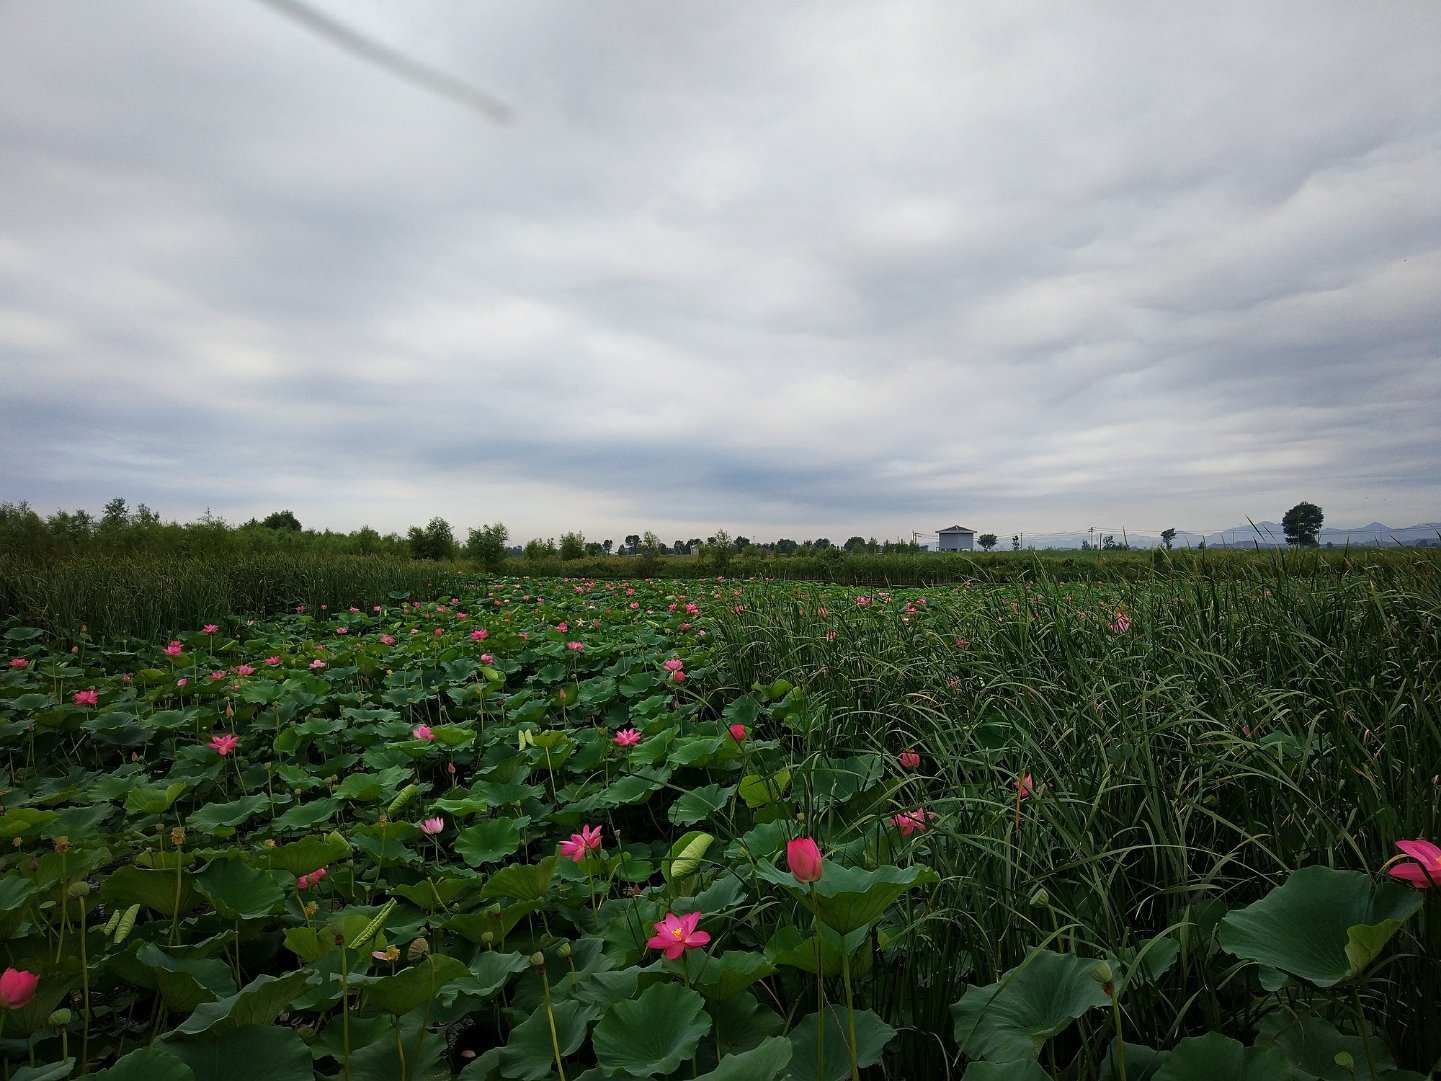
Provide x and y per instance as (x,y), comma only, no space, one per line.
(1123,818)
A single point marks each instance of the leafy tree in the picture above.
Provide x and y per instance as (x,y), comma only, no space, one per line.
(486,545)
(116,516)
(572,545)
(680,548)
(650,545)
(282,519)
(720,548)
(987,541)
(786,547)
(1015,542)
(1168,538)
(1302,524)
(855,544)
(535,548)
(822,542)
(606,545)
(435,541)
(632,541)
(742,543)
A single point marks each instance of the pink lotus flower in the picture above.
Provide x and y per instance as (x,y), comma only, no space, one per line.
(738,733)
(223,745)
(480,635)
(317,663)
(627,737)
(1024,786)
(17,988)
(87,698)
(910,760)
(431,826)
(342,630)
(174,647)
(304,882)
(576,646)
(562,627)
(1120,624)
(486,658)
(387,639)
(216,676)
(1426,871)
(587,840)
(422,731)
(803,858)
(909,822)
(272,661)
(675,664)
(676,934)
(19,662)
(244,670)
(210,628)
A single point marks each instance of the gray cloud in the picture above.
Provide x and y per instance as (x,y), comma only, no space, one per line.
(860,268)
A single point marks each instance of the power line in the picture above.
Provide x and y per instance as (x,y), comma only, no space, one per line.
(397,63)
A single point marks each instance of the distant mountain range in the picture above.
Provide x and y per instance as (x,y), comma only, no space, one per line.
(1262,534)
(1273,535)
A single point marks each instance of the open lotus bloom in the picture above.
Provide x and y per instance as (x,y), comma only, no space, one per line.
(1426,871)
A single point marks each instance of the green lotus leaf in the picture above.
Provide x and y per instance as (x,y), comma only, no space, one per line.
(652,1034)
(1312,1044)
(257,1003)
(489,841)
(1321,924)
(764,1062)
(239,891)
(701,803)
(153,1063)
(273,1052)
(1214,1057)
(528,1054)
(403,992)
(1010,1019)
(872,1035)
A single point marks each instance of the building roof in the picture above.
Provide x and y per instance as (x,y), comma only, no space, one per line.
(955,529)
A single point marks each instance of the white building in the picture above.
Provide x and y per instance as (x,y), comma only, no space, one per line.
(957,538)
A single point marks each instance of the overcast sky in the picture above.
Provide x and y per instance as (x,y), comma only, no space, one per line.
(789,269)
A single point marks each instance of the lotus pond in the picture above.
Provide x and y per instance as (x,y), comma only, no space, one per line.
(735,831)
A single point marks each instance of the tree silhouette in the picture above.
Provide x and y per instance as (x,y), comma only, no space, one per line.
(1302,524)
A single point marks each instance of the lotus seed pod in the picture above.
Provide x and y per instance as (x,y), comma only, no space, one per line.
(79,888)
(537,959)
(1101,973)
(1345,1061)
(487,938)
(1041,899)
(59,1019)
(419,950)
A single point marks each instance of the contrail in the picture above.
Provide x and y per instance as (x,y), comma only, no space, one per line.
(397,63)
